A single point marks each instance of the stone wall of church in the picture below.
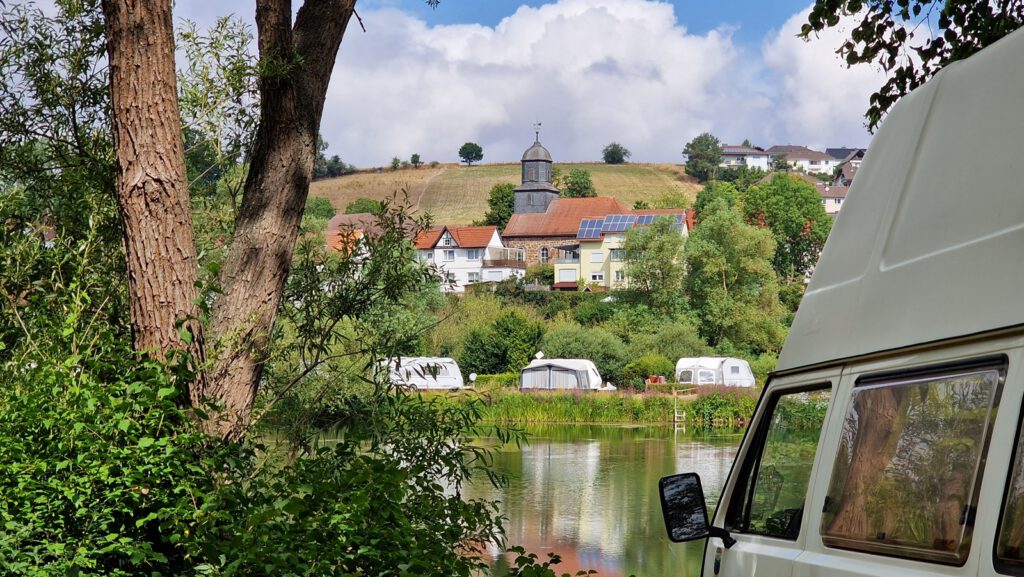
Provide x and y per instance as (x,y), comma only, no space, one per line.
(532,246)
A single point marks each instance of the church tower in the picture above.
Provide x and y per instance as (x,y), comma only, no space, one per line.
(536,192)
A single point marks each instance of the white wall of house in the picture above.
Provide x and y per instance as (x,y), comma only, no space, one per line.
(462,266)
(825,166)
(749,160)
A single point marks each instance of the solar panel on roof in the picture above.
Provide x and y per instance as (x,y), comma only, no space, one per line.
(590,228)
(644,219)
(618,222)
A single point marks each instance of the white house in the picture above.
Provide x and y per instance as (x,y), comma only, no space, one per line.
(469,254)
(750,156)
(803,158)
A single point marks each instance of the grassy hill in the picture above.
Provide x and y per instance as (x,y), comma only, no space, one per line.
(455,194)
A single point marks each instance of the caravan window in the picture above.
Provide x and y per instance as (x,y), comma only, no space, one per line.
(706,377)
(906,478)
(1010,542)
(770,500)
(685,376)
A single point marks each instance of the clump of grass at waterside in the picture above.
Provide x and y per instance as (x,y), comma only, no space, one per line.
(712,407)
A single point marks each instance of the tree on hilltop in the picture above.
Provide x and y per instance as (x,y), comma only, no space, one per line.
(470,153)
(615,153)
(704,154)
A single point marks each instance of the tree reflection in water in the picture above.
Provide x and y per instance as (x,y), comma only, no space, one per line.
(590,494)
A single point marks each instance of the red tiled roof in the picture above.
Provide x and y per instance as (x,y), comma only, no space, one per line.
(792,152)
(562,217)
(657,211)
(828,191)
(464,236)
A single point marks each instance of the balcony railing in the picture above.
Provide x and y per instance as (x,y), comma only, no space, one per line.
(504,263)
(568,260)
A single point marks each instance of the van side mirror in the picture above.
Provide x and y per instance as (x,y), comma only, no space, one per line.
(685,512)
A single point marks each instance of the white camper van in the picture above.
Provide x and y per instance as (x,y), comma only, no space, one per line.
(727,371)
(888,441)
(560,374)
(426,373)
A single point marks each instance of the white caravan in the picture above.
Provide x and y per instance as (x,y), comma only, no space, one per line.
(727,371)
(560,374)
(426,373)
(888,441)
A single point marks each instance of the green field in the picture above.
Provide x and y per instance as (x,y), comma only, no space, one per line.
(454,194)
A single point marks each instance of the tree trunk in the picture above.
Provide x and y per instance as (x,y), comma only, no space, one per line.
(152,183)
(153,195)
(267,225)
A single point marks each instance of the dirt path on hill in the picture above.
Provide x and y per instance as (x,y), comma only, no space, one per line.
(426,185)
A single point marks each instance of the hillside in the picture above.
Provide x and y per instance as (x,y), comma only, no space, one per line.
(455,194)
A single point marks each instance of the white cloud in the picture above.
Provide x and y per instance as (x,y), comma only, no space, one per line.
(592,71)
(821,102)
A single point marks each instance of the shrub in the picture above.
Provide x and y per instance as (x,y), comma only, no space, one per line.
(718,405)
(636,372)
(506,346)
(319,207)
(593,311)
(542,274)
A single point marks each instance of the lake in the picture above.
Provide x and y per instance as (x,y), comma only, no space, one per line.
(590,494)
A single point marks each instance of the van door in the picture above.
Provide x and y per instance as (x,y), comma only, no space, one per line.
(762,505)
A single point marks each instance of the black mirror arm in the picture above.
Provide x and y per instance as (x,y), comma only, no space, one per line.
(722,534)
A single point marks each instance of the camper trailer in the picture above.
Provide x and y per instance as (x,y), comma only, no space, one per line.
(545,374)
(426,373)
(725,371)
(889,439)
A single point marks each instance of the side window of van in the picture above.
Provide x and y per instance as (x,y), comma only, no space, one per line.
(777,470)
(1010,542)
(906,476)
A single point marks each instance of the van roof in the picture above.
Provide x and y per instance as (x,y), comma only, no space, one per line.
(930,240)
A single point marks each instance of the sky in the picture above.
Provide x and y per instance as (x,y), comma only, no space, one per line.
(649,75)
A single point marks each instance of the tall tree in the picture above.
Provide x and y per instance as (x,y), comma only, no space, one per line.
(791,208)
(731,284)
(704,154)
(501,202)
(615,153)
(471,152)
(296,64)
(913,39)
(654,263)
(577,184)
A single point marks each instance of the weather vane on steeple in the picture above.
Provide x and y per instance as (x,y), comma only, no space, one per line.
(536,131)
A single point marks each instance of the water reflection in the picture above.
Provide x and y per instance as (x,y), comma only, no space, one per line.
(590,494)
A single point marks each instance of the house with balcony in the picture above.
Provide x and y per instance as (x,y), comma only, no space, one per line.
(734,156)
(805,159)
(469,254)
(597,258)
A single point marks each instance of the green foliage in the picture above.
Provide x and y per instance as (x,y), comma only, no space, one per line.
(791,208)
(501,203)
(716,190)
(654,263)
(674,340)
(363,205)
(674,199)
(506,346)
(912,39)
(717,406)
(395,163)
(471,152)
(498,381)
(598,345)
(593,311)
(646,365)
(577,184)
(742,177)
(615,153)
(415,161)
(704,154)
(731,284)
(513,406)
(318,207)
(541,273)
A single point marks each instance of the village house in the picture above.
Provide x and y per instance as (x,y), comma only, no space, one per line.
(734,156)
(803,158)
(468,254)
(597,258)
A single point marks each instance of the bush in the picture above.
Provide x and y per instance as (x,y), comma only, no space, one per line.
(541,274)
(363,205)
(718,405)
(319,207)
(636,372)
(594,311)
(598,345)
(506,346)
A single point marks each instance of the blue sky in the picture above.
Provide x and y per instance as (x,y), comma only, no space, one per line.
(752,19)
(650,75)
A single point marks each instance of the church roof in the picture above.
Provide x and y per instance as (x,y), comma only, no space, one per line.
(537,152)
(562,217)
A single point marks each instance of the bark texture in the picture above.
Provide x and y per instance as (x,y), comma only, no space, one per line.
(153,192)
(152,183)
(297,63)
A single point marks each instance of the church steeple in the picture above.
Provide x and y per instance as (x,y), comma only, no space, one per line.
(537,191)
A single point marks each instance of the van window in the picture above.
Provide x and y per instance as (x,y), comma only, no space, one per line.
(706,377)
(778,467)
(686,376)
(1010,542)
(906,476)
